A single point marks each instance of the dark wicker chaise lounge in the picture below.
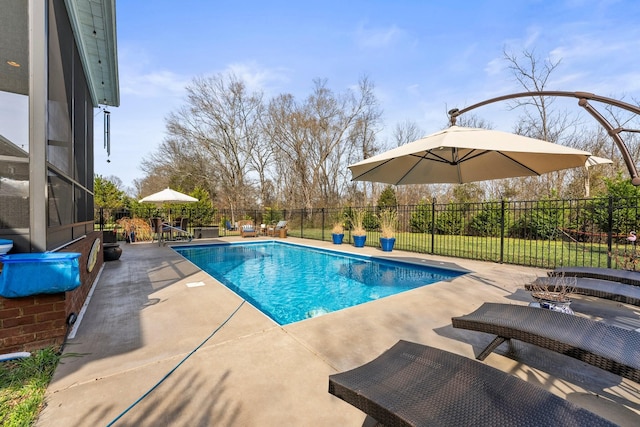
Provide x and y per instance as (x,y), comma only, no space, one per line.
(417,385)
(607,289)
(608,347)
(622,276)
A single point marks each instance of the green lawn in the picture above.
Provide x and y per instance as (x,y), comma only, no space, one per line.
(535,253)
(23,383)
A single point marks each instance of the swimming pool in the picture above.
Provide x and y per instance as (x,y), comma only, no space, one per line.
(290,282)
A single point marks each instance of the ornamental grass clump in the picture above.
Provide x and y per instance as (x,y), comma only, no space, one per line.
(388,222)
(139,226)
(357,223)
(338,228)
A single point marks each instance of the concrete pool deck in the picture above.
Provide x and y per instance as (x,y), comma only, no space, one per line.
(151,309)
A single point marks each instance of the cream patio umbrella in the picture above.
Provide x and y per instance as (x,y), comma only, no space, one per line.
(592,161)
(460,154)
(168,196)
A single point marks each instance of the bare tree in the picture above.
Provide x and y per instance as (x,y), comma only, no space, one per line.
(290,153)
(317,138)
(219,129)
(539,120)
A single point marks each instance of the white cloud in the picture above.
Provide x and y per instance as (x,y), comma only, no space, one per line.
(258,78)
(138,76)
(414,90)
(378,38)
(495,66)
(532,36)
(154,84)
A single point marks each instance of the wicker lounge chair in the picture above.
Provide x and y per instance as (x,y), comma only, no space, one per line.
(608,347)
(247,228)
(622,276)
(417,385)
(605,289)
(274,230)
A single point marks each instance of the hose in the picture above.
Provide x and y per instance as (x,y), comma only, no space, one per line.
(148,392)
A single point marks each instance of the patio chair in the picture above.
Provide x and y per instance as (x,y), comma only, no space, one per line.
(606,289)
(247,228)
(416,385)
(173,231)
(229,226)
(607,347)
(622,276)
(159,230)
(274,230)
(181,231)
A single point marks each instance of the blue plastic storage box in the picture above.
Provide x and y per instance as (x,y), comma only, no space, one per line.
(39,273)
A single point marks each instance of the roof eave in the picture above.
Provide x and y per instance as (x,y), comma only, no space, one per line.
(94,28)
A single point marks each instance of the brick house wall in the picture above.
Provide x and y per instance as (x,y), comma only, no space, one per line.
(38,321)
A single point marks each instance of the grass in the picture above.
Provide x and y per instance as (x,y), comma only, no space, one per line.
(23,383)
(535,253)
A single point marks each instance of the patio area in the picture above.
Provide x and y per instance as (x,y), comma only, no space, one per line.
(152,308)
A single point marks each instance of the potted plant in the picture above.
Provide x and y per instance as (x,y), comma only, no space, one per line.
(357,228)
(388,220)
(337,233)
(556,295)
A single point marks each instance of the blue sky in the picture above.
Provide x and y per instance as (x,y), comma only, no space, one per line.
(424,57)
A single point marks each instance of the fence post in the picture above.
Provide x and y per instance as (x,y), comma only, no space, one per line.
(610,233)
(433,225)
(322,224)
(303,215)
(501,231)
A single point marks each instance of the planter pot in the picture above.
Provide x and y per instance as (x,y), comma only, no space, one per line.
(112,252)
(358,241)
(387,243)
(337,238)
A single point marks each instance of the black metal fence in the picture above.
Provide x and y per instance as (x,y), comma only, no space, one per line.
(545,233)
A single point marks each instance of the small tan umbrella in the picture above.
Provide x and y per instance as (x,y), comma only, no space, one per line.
(168,196)
(460,154)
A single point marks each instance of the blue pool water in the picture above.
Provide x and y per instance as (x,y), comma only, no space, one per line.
(290,282)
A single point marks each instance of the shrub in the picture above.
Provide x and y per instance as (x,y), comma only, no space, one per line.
(370,221)
(387,198)
(487,222)
(420,221)
(544,221)
(139,226)
(450,221)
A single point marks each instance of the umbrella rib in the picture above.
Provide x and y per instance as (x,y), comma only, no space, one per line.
(426,157)
(355,178)
(420,158)
(472,155)
(519,163)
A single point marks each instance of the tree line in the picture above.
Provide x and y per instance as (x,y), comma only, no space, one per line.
(244,150)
